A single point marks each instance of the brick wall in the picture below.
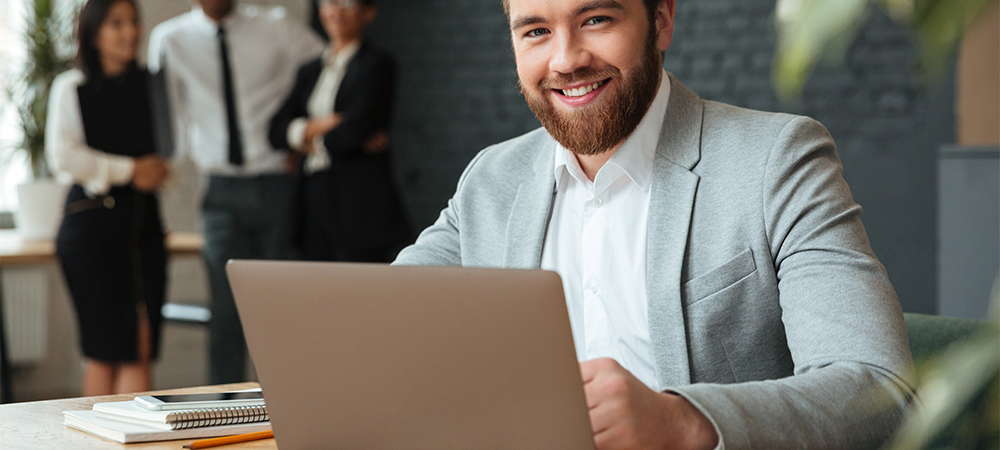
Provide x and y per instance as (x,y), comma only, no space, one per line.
(457,93)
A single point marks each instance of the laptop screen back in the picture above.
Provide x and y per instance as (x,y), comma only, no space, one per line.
(373,356)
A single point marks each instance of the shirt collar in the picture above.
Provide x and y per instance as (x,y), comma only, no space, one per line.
(209,26)
(635,156)
(567,164)
(342,57)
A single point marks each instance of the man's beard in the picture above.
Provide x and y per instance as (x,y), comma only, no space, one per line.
(595,129)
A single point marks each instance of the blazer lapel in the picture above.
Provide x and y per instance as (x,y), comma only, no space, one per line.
(529,215)
(351,73)
(310,76)
(672,199)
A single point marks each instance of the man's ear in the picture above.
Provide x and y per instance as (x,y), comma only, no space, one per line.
(663,20)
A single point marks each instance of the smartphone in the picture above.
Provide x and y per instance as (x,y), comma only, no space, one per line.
(198,401)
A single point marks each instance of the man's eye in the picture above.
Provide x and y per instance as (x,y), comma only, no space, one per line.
(597,20)
(536,32)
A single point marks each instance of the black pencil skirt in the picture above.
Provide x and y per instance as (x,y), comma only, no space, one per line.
(112,252)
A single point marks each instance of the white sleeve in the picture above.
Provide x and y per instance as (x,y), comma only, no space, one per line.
(303,43)
(159,59)
(154,54)
(65,142)
(296,134)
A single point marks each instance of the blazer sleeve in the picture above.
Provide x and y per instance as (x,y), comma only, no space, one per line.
(292,108)
(441,243)
(853,374)
(367,114)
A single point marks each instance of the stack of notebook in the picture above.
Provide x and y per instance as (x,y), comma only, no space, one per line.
(127,422)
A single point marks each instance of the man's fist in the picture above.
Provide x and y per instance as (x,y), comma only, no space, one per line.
(626,414)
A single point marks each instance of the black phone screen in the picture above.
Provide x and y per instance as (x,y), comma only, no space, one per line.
(251,395)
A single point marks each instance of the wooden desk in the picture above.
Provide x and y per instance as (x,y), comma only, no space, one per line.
(39,425)
(17,251)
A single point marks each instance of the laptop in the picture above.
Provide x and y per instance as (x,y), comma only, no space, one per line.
(371,356)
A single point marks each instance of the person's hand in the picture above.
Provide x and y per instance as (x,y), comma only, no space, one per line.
(624,413)
(149,173)
(376,143)
(291,162)
(318,127)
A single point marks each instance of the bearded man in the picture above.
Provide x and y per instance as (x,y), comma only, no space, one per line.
(721,289)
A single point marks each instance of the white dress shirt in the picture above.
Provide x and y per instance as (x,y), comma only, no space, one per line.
(66,144)
(321,103)
(596,241)
(265,52)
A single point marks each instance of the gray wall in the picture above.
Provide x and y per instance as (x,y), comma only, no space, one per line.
(458,93)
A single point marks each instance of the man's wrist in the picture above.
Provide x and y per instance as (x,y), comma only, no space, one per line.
(698,431)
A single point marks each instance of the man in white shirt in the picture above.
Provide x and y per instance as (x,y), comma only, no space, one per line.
(228,67)
(721,289)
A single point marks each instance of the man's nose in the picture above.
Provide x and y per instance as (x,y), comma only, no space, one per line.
(570,55)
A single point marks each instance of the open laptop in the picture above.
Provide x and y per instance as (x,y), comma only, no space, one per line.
(371,356)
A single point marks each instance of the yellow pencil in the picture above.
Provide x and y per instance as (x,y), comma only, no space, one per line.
(215,442)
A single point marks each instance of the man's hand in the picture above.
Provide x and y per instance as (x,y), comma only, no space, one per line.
(149,172)
(318,127)
(625,414)
(376,143)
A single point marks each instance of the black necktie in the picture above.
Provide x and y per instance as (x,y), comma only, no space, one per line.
(232,120)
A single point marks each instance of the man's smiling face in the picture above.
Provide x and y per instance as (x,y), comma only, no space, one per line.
(589,68)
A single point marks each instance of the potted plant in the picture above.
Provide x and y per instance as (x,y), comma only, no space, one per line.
(810,31)
(959,385)
(47,35)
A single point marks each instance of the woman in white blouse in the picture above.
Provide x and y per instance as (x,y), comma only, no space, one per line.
(111,242)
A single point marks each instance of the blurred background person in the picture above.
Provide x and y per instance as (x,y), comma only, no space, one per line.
(227,69)
(111,242)
(336,116)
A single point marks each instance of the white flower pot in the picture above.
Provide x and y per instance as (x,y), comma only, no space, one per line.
(40,208)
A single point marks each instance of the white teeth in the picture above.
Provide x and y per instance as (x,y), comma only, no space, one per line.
(581,91)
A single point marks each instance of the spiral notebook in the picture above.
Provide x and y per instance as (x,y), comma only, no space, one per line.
(128,411)
(128,432)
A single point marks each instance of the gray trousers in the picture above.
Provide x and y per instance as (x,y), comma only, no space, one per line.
(242,218)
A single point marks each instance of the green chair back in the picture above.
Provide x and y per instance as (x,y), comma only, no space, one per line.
(930,334)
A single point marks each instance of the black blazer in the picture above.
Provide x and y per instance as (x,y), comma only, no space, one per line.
(366,209)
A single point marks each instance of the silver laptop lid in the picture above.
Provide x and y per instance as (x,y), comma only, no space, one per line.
(370,356)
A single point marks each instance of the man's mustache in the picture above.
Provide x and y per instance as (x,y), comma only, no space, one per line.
(582,74)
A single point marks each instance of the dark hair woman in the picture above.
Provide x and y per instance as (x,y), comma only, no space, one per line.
(111,242)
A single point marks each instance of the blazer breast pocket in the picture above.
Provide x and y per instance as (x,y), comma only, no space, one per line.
(719,278)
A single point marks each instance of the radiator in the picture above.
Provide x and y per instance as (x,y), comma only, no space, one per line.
(25,313)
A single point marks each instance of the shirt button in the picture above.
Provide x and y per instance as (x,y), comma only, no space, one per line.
(598,202)
(593,287)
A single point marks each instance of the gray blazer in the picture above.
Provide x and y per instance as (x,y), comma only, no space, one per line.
(767,308)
